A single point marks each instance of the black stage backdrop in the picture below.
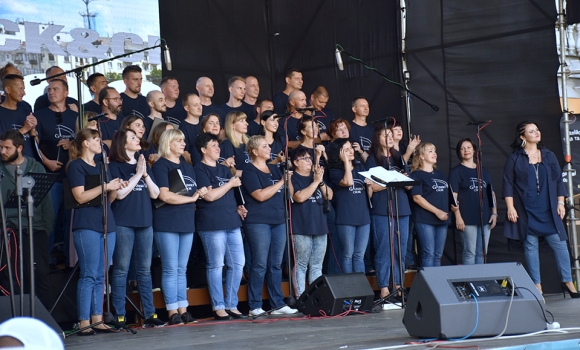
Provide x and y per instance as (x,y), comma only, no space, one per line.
(223,38)
(485,60)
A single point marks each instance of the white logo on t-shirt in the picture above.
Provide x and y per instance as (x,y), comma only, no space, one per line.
(474,186)
(439,185)
(358,186)
(189,182)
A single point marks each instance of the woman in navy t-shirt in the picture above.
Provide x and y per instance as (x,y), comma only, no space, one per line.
(264,226)
(136,124)
(218,225)
(233,147)
(172,224)
(431,198)
(88,228)
(308,220)
(134,232)
(269,126)
(390,212)
(351,204)
(463,180)
(308,131)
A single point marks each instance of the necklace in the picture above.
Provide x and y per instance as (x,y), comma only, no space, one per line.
(536,169)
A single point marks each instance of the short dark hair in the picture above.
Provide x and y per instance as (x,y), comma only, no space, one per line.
(91,79)
(353,103)
(458,147)
(203,139)
(298,152)
(10,78)
(3,69)
(165,80)
(15,136)
(105,93)
(47,71)
(64,83)
(186,97)
(117,152)
(130,69)
(291,71)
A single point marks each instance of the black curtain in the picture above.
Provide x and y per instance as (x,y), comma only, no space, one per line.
(223,38)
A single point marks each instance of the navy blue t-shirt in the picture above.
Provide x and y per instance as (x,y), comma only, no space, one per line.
(351,204)
(213,109)
(88,218)
(276,147)
(280,101)
(137,106)
(15,119)
(227,109)
(109,127)
(380,200)
(241,157)
(149,151)
(92,106)
(220,214)
(270,211)
(292,126)
(190,131)
(249,109)
(361,134)
(135,209)
(175,114)
(435,189)
(463,180)
(43,102)
(308,217)
(254,128)
(169,217)
(324,118)
(50,133)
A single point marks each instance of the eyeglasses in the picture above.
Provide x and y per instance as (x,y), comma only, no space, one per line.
(306,159)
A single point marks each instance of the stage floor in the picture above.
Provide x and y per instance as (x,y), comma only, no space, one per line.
(369,331)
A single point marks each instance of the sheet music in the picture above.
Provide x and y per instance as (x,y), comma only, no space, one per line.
(384,175)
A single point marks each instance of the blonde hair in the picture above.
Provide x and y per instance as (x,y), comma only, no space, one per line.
(82,122)
(253,144)
(232,118)
(166,138)
(419,151)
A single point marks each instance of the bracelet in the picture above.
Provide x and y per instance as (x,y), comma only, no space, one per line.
(564,204)
(321,184)
(495,214)
(145,176)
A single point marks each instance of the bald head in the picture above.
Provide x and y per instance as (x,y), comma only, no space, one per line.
(156,101)
(297,99)
(204,87)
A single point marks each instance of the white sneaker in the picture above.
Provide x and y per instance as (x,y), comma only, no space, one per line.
(256,312)
(286,310)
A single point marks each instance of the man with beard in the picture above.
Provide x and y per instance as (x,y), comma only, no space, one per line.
(133,101)
(11,147)
(96,82)
(14,114)
(43,101)
(157,108)
(111,104)
(205,89)
(175,113)
(297,99)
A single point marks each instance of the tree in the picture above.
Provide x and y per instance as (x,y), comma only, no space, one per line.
(112,76)
(155,76)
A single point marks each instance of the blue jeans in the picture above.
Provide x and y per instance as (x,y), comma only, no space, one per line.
(309,253)
(267,244)
(174,248)
(57,197)
(135,243)
(353,241)
(560,250)
(334,250)
(220,245)
(384,241)
(90,246)
(471,238)
(410,256)
(432,242)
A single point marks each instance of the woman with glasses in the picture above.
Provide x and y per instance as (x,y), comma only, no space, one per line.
(308,192)
(351,204)
(534,194)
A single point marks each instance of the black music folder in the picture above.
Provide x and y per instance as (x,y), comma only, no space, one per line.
(176,185)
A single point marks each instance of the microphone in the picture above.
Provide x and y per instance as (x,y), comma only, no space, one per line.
(167,58)
(308,109)
(479,122)
(35,82)
(339,59)
(98,116)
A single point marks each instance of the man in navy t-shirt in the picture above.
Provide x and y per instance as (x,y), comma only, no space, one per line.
(323,116)
(255,125)
(205,90)
(157,108)
(237,89)
(297,100)
(293,79)
(191,127)
(133,101)
(111,104)
(361,133)
(96,82)
(42,101)
(174,111)
(251,97)
(14,114)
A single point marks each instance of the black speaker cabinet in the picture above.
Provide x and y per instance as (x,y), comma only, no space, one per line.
(334,294)
(448,301)
(40,311)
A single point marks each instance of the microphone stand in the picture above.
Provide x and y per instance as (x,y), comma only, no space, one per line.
(79,70)
(8,257)
(401,86)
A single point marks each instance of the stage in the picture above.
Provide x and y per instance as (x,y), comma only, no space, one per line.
(383,329)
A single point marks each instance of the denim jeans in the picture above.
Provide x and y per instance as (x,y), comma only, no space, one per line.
(57,197)
(432,242)
(267,244)
(174,248)
(471,238)
(219,246)
(90,246)
(309,253)
(385,257)
(334,250)
(410,256)
(353,241)
(560,250)
(133,244)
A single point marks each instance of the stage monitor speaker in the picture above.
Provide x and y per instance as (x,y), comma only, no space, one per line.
(40,312)
(334,294)
(441,303)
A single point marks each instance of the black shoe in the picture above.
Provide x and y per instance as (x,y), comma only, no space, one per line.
(187,318)
(220,318)
(121,322)
(237,316)
(175,319)
(153,321)
(87,332)
(565,289)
